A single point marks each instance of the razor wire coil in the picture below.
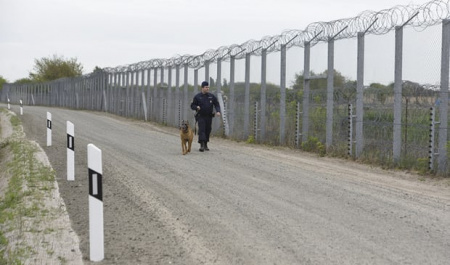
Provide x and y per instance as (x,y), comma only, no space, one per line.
(369,22)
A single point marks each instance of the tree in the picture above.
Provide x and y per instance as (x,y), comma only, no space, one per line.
(381,91)
(320,83)
(97,70)
(2,82)
(225,82)
(47,69)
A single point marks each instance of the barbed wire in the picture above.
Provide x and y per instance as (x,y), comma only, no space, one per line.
(370,22)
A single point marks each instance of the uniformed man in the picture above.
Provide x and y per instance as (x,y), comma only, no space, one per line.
(204,104)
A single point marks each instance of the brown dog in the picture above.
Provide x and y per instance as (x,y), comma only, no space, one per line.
(186,136)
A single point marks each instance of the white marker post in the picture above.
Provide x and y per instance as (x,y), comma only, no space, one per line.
(70,151)
(21,107)
(49,129)
(9,105)
(96,237)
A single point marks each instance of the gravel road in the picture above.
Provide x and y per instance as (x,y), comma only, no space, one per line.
(240,203)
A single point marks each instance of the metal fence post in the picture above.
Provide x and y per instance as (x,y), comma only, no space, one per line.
(330,94)
(263,94)
(164,117)
(397,139)
(350,129)
(360,96)
(232,103)
(282,93)
(169,96)
(207,71)
(443,108)
(155,94)
(255,122)
(297,125)
(247,96)
(306,81)
(177,93)
(431,152)
(186,100)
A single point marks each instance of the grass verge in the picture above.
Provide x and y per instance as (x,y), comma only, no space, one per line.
(25,181)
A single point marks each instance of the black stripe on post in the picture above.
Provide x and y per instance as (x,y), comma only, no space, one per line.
(70,142)
(95,185)
(49,124)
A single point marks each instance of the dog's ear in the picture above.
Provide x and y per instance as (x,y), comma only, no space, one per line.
(187,122)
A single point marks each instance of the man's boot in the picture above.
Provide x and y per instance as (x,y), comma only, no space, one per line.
(206,146)
(202,146)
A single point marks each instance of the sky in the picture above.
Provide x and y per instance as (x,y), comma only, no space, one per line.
(110,33)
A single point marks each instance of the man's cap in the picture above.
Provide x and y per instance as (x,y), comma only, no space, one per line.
(204,83)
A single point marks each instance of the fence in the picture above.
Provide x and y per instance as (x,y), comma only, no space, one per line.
(389,124)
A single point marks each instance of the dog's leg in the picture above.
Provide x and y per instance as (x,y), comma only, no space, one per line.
(183,147)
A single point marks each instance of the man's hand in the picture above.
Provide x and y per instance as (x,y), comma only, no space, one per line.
(217,113)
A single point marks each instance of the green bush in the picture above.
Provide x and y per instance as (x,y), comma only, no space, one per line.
(422,165)
(250,139)
(321,149)
(314,145)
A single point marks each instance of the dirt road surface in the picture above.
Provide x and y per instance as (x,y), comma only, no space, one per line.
(240,203)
